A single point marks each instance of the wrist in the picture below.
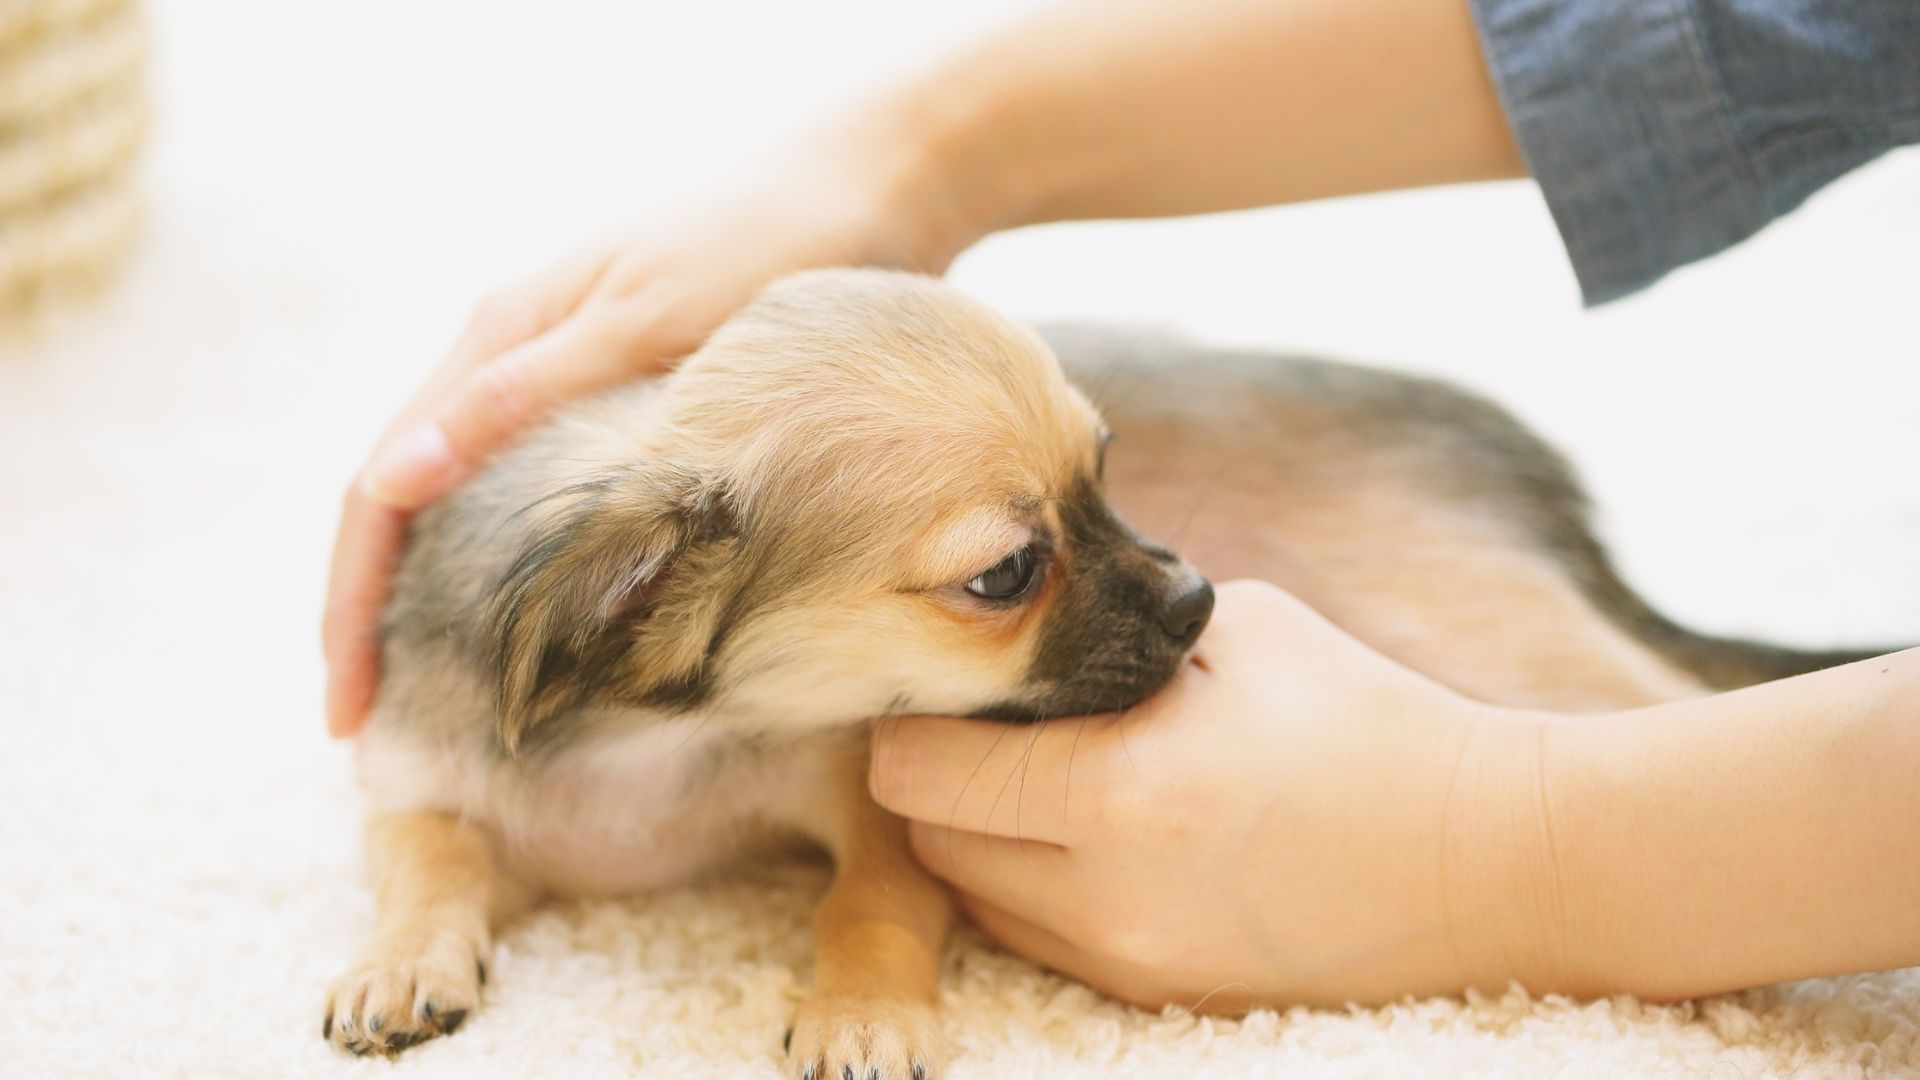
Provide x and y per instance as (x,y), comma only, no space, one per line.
(973,151)
(913,155)
(1504,904)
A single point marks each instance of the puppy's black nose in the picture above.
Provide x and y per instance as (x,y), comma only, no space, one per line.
(1187,611)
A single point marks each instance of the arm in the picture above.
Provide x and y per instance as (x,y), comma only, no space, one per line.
(1752,837)
(1364,834)
(1151,109)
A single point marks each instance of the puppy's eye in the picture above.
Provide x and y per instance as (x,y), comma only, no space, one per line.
(1007,578)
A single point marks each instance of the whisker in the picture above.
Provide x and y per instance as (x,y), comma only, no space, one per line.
(1020,799)
(954,815)
(1120,726)
(1066,797)
(1008,782)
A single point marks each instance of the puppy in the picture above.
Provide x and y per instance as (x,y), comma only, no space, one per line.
(646,643)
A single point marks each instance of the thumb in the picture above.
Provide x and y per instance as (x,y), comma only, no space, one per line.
(501,399)
(1255,617)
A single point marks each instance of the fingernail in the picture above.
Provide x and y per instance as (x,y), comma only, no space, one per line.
(345,709)
(413,471)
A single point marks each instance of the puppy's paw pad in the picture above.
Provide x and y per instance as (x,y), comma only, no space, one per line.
(849,1038)
(403,994)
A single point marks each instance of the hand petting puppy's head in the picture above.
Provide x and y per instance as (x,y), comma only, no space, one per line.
(867,494)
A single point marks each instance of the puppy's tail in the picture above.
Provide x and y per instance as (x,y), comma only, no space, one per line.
(1722,663)
(1730,663)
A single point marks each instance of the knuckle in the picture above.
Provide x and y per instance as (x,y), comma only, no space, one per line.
(666,321)
(1129,935)
(626,273)
(890,775)
(1251,597)
(615,323)
(506,395)
(499,312)
(1253,590)
(636,329)
(1144,946)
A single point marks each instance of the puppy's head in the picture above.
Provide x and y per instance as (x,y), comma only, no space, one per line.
(868,495)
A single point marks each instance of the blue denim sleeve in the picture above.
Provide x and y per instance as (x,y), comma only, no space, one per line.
(1662,131)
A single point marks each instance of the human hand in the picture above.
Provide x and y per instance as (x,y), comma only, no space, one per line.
(1278,825)
(858,194)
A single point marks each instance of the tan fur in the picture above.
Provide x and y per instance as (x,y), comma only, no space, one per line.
(1459,597)
(645,644)
(845,454)
(437,897)
(878,936)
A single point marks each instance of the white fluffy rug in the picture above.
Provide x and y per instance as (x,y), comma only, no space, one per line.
(179,876)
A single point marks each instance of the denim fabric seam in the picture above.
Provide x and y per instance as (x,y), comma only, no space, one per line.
(1897,122)
(1748,169)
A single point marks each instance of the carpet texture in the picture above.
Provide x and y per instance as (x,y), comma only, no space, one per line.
(179,866)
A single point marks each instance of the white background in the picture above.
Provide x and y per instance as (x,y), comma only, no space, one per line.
(330,188)
(364,170)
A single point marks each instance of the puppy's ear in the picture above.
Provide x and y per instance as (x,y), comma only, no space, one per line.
(568,616)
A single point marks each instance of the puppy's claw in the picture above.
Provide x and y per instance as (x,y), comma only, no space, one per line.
(862,1038)
(409,991)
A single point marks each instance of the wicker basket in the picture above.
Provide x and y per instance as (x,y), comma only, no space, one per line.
(73,113)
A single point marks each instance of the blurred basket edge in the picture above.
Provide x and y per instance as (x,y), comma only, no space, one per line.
(73,116)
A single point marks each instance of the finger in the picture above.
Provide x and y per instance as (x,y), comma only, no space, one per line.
(371,532)
(1246,602)
(364,551)
(1049,949)
(526,309)
(501,399)
(1252,619)
(1023,936)
(1029,876)
(413,463)
(506,319)
(983,776)
(1253,622)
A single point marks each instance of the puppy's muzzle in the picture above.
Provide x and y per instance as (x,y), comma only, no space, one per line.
(1186,608)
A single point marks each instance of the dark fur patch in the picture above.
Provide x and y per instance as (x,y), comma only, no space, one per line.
(1103,646)
(568,612)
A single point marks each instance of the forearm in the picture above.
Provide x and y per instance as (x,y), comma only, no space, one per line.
(1155,108)
(1742,839)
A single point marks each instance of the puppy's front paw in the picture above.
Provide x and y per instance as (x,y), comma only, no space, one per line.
(855,1038)
(407,991)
